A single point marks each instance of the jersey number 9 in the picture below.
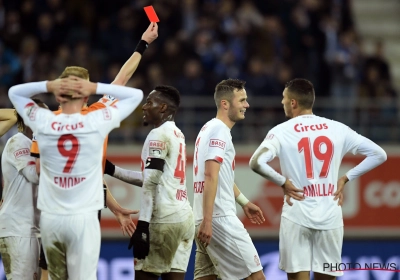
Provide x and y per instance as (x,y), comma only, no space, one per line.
(71,153)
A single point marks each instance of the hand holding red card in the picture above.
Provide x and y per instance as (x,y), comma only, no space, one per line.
(151,14)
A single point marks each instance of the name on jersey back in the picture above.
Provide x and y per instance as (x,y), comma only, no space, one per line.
(68,182)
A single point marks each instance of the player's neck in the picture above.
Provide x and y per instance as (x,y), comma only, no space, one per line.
(169,118)
(28,133)
(71,107)
(303,112)
(225,119)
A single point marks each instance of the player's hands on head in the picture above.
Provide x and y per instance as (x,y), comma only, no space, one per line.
(58,88)
(205,232)
(140,240)
(79,87)
(151,33)
(340,188)
(124,219)
(254,213)
(292,192)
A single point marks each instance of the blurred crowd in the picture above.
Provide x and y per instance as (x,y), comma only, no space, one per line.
(200,42)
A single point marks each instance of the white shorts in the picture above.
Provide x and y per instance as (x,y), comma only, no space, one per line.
(305,249)
(231,253)
(170,247)
(71,245)
(20,256)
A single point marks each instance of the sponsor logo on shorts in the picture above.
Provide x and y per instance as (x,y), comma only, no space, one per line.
(21,152)
(156,144)
(217,143)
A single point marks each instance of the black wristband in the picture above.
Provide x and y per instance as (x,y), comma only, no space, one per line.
(141,46)
(109,168)
(142,225)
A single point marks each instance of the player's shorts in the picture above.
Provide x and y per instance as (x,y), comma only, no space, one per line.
(170,247)
(231,253)
(305,249)
(71,244)
(20,256)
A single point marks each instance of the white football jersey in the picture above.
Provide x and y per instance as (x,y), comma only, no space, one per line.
(71,148)
(310,150)
(19,215)
(171,204)
(214,142)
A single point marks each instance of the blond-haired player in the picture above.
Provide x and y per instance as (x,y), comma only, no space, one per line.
(310,149)
(70,191)
(19,215)
(224,247)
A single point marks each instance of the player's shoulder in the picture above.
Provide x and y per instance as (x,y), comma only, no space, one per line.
(18,142)
(214,126)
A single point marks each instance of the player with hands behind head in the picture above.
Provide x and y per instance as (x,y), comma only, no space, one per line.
(71,191)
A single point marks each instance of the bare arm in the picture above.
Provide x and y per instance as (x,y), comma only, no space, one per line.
(7,119)
(130,66)
(122,215)
(37,164)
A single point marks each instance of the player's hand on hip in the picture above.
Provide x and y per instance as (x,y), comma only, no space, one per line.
(254,213)
(292,192)
(151,33)
(140,240)
(340,188)
(205,232)
(124,219)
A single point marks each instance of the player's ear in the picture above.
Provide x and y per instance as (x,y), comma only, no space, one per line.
(163,108)
(225,104)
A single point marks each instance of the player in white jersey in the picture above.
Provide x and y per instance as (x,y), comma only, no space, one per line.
(310,149)
(224,246)
(164,234)
(19,216)
(70,191)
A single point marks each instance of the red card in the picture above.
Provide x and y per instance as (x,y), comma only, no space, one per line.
(151,14)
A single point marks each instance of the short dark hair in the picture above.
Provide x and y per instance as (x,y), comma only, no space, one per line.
(20,122)
(225,89)
(303,91)
(171,94)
